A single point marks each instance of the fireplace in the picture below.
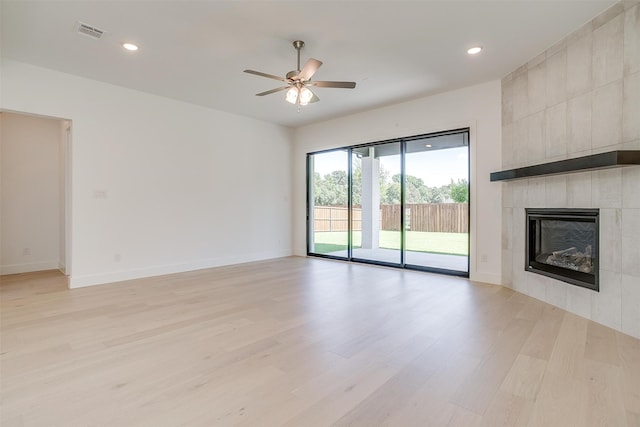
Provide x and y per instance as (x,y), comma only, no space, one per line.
(563,244)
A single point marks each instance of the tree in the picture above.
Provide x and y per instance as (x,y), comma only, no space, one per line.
(391,195)
(416,191)
(330,190)
(356,196)
(459,191)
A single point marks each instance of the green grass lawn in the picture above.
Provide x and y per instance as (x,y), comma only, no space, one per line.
(418,241)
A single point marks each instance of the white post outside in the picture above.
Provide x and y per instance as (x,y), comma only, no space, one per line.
(370,201)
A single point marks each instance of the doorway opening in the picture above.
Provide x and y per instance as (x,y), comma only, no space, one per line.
(401,203)
(35,196)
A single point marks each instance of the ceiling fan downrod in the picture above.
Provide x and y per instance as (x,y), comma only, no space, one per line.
(298,44)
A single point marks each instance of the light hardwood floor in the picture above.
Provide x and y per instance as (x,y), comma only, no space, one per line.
(305,342)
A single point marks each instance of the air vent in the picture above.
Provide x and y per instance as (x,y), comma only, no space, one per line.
(89,31)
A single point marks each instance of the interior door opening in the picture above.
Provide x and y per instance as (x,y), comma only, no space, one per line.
(35,198)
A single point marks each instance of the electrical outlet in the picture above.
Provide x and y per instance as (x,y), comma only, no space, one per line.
(116,257)
(26,251)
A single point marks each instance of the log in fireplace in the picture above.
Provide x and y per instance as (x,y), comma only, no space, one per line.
(563,244)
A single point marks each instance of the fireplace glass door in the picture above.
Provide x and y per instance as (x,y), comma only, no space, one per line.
(567,244)
(563,244)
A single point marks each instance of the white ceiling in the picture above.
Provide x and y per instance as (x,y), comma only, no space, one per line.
(195,51)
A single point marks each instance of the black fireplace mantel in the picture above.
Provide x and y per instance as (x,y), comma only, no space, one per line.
(606,160)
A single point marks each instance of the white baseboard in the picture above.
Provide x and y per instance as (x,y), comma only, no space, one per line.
(28,267)
(118,276)
(494,279)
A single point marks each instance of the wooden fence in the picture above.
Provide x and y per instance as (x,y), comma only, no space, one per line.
(433,217)
(335,218)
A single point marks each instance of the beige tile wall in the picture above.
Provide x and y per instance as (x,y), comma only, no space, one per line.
(580,97)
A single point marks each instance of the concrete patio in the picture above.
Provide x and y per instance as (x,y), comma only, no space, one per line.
(424,259)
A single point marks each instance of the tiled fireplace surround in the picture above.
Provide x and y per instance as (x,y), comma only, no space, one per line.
(580,97)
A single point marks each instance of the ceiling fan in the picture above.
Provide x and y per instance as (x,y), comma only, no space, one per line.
(299,81)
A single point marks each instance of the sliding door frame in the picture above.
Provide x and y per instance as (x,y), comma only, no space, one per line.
(372,261)
(466,130)
(403,141)
(310,206)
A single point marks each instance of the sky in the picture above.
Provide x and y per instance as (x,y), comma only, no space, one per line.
(436,168)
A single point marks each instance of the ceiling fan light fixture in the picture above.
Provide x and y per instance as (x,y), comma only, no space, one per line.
(292,95)
(305,95)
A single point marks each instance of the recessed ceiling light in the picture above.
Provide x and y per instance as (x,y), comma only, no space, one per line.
(474,50)
(130,46)
(428,145)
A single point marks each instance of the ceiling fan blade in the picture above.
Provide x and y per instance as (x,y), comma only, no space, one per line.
(273,91)
(270,76)
(342,85)
(309,69)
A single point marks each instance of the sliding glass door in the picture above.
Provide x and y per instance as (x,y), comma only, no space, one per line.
(402,203)
(375,223)
(328,201)
(437,202)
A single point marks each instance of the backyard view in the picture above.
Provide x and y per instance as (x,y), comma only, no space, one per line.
(440,243)
(433,211)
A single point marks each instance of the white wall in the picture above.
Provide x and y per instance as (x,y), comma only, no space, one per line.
(30,197)
(477,107)
(158,185)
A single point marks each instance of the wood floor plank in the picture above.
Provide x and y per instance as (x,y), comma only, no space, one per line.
(629,356)
(430,404)
(479,390)
(562,401)
(605,406)
(542,340)
(304,342)
(567,355)
(598,346)
(507,410)
(347,395)
(524,377)
(379,404)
